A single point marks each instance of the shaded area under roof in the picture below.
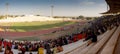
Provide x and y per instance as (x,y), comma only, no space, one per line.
(114,6)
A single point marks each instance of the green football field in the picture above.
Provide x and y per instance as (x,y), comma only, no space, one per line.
(31,26)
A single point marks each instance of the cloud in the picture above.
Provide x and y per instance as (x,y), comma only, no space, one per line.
(87,3)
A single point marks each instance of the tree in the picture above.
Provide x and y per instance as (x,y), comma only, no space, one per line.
(1,17)
(88,18)
(80,17)
(37,15)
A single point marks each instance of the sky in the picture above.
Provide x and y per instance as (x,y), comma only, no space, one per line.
(61,7)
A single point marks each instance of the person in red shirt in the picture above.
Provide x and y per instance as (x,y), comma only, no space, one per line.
(8,50)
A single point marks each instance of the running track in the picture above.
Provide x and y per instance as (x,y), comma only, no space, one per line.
(32,33)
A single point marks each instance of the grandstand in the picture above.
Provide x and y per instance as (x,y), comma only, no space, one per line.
(100,36)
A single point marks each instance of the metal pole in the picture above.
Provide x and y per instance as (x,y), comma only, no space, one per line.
(52,6)
(7,4)
(52,11)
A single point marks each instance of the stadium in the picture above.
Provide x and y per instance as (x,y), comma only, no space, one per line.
(43,34)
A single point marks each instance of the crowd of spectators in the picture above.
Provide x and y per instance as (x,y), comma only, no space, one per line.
(53,46)
(100,26)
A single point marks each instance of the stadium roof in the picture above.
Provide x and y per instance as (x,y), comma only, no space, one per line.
(114,6)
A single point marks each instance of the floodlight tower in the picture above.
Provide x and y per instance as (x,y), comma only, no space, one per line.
(52,6)
(6,16)
(7,4)
(52,11)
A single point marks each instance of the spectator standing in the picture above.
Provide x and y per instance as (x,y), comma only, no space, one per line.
(41,50)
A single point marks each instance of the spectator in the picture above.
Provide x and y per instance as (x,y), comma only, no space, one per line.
(8,50)
(47,47)
(59,48)
(55,50)
(23,50)
(1,49)
(91,36)
(41,50)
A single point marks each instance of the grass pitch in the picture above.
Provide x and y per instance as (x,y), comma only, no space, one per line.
(31,26)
